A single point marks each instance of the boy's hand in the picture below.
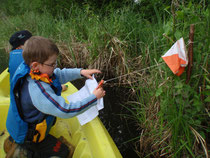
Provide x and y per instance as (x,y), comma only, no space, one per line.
(99,92)
(89,72)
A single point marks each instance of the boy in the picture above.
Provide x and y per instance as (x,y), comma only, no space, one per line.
(35,100)
(17,41)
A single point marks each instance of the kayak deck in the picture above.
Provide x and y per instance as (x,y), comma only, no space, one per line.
(90,140)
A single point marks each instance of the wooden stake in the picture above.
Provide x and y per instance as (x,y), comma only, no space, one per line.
(190,53)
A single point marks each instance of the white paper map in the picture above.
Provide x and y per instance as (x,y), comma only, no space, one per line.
(91,113)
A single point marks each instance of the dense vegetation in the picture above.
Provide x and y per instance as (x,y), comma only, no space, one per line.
(120,37)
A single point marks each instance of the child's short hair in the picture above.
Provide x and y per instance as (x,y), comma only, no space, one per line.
(38,49)
(19,38)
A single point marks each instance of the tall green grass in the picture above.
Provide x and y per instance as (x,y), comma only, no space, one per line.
(173,115)
(175,110)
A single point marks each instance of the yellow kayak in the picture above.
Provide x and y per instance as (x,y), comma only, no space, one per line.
(91,140)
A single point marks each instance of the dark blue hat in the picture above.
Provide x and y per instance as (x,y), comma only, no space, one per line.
(19,38)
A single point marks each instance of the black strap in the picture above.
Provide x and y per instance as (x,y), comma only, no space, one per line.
(31,126)
(11,139)
(17,95)
(31,132)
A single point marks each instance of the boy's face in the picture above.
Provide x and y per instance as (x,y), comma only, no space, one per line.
(48,66)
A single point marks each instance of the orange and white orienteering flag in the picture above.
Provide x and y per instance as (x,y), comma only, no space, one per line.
(176,57)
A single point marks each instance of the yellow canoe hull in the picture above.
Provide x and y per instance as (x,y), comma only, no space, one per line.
(90,140)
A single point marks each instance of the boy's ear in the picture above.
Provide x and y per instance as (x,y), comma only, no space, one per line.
(34,65)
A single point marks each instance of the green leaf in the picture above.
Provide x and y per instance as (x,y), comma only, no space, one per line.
(189,4)
(178,34)
(203,134)
(207,99)
(179,85)
(159,92)
(167,27)
(206,93)
(197,122)
(197,104)
(180,15)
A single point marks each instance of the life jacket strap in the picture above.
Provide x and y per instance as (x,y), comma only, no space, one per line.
(31,132)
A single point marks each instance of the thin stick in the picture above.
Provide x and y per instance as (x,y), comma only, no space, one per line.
(168,38)
(190,52)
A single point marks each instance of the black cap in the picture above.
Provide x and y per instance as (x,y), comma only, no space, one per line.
(19,38)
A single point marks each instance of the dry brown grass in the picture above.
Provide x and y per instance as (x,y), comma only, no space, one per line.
(74,55)
(111,60)
(153,139)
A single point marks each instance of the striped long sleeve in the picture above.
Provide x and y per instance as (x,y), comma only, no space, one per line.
(45,100)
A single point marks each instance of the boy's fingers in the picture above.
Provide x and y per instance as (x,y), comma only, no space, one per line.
(96,71)
(90,77)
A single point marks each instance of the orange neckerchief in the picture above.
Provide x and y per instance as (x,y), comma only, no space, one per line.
(42,77)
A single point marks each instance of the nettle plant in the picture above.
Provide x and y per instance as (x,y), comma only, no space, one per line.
(184,112)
